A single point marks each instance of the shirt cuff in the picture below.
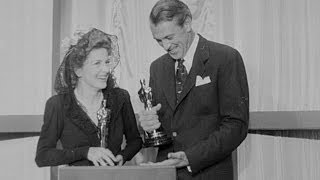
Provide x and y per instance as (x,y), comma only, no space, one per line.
(189,169)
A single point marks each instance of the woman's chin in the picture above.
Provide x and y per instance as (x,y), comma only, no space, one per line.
(101,85)
(104,86)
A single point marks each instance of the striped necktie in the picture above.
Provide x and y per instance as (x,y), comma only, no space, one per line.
(181,76)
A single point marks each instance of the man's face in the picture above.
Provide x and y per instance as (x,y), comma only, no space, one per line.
(173,38)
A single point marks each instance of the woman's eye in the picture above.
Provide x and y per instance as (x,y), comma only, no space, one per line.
(96,63)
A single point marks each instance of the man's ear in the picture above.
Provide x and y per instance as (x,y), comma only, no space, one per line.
(188,24)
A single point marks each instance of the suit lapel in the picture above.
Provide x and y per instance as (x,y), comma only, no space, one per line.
(168,83)
(198,66)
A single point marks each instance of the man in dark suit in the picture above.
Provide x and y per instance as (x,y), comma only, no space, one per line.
(200,95)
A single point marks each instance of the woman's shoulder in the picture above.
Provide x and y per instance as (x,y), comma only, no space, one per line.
(120,94)
(57,100)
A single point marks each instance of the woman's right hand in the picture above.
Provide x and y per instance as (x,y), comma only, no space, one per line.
(101,156)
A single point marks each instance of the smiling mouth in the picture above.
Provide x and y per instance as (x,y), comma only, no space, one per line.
(103,78)
(172,51)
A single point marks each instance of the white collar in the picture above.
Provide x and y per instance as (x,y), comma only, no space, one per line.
(188,58)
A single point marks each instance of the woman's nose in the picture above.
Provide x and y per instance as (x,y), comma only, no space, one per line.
(106,67)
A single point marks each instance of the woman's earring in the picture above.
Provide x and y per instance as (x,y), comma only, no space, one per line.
(110,71)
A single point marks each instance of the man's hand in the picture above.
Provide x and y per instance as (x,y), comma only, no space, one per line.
(149,120)
(177,159)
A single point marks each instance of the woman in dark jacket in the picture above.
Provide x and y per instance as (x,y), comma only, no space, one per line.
(89,114)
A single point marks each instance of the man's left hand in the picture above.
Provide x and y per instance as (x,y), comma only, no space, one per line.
(177,159)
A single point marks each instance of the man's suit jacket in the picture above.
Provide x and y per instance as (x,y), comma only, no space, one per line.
(211,120)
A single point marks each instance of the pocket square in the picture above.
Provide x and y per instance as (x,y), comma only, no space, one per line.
(201,81)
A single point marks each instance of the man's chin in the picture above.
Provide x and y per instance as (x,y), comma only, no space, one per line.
(174,56)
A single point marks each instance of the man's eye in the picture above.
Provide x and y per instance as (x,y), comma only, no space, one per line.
(96,63)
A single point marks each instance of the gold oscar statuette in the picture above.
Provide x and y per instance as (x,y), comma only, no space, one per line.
(156,137)
(103,116)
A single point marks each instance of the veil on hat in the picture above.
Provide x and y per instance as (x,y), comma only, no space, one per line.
(66,79)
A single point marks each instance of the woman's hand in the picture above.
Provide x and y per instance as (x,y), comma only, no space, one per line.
(119,160)
(101,156)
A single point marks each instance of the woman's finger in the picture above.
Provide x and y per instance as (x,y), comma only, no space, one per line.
(102,162)
(109,154)
(108,161)
(95,163)
(119,160)
(120,163)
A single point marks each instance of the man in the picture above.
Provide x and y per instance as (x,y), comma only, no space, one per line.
(201,95)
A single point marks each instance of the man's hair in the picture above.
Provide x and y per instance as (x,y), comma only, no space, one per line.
(169,10)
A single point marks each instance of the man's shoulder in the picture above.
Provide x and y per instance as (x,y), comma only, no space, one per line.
(216,46)
(221,50)
(221,53)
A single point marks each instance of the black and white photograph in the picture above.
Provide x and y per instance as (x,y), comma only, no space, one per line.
(160,89)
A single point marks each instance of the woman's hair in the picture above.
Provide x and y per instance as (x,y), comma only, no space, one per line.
(169,10)
(80,51)
(66,79)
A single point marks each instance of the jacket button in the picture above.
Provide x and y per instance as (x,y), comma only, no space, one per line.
(174,134)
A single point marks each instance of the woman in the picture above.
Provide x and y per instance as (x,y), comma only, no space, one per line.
(84,80)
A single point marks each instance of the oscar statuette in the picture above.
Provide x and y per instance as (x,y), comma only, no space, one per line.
(103,116)
(156,137)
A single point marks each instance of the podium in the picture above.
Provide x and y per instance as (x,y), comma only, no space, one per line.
(117,173)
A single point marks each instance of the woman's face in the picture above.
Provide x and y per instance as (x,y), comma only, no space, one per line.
(95,70)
